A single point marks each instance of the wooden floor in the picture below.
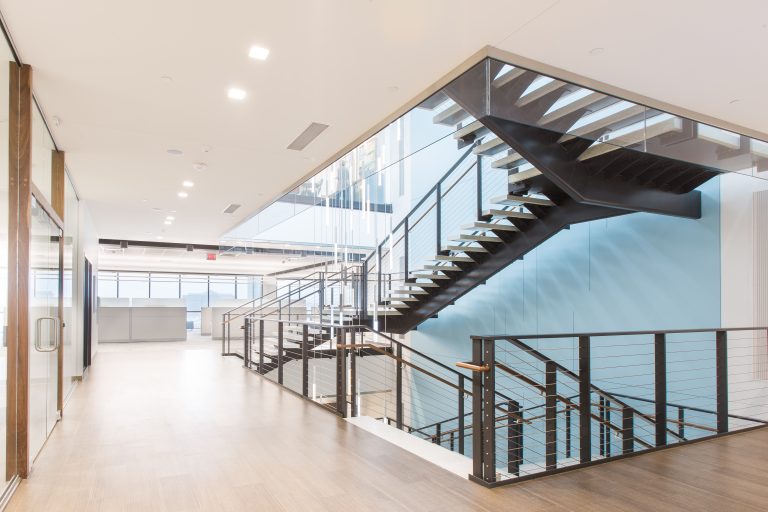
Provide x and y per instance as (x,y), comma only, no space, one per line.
(175,427)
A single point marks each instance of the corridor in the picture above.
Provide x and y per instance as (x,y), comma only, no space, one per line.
(176,427)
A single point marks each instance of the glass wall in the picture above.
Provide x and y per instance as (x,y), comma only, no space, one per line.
(4,221)
(198,290)
(71,277)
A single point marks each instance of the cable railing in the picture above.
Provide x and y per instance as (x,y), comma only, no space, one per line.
(600,396)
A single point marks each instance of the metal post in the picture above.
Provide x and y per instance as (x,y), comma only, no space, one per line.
(681,423)
(489,411)
(378,279)
(438,433)
(660,364)
(399,387)
(363,302)
(567,432)
(585,398)
(438,213)
(461,415)
(223,334)
(261,346)
(477,410)
(341,374)
(305,361)
(551,414)
(479,187)
(721,355)
(353,374)
(280,352)
(607,416)
(452,441)
(514,438)
(405,249)
(246,343)
(627,430)
(601,414)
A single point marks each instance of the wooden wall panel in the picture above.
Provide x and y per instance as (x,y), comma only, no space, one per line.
(58,177)
(19,218)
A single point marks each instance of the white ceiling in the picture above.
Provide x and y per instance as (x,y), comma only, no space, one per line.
(98,67)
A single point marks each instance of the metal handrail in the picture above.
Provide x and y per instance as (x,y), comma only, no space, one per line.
(611,333)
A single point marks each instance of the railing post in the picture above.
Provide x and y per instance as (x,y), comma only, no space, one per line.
(514,438)
(223,334)
(305,361)
(438,213)
(261,346)
(363,302)
(489,410)
(405,249)
(681,422)
(399,387)
(280,352)
(479,187)
(585,400)
(627,430)
(462,425)
(438,433)
(341,374)
(660,370)
(246,342)
(378,279)
(601,415)
(353,374)
(568,431)
(721,354)
(607,417)
(551,414)
(477,410)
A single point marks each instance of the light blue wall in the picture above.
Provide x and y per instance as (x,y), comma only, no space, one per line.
(635,272)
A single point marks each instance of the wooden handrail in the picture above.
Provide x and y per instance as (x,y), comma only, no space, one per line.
(473,367)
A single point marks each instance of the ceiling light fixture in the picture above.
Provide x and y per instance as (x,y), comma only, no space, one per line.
(187,183)
(170,217)
(258,53)
(182,194)
(168,223)
(159,237)
(236,94)
(175,152)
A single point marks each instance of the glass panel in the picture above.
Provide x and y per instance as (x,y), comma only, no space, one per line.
(44,326)
(222,288)
(71,275)
(194,290)
(107,285)
(133,285)
(164,286)
(4,207)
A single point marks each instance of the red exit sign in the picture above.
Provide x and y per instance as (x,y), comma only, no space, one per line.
(211,256)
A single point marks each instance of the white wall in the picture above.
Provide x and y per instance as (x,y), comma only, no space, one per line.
(744,288)
(88,247)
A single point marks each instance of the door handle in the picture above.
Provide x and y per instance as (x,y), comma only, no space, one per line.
(39,329)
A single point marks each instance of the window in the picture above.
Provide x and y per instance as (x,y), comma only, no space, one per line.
(107,285)
(133,285)
(164,286)
(222,288)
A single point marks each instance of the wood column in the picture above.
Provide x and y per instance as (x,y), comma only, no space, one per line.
(58,177)
(19,228)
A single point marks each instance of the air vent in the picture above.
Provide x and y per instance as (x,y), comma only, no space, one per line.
(307,136)
(231,208)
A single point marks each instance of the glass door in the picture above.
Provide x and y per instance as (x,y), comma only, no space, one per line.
(44,325)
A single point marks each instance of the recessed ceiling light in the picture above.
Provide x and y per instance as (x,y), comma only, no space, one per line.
(258,53)
(188,184)
(170,217)
(168,223)
(732,102)
(236,94)
(175,152)
(159,237)
(157,209)
(166,79)
(182,194)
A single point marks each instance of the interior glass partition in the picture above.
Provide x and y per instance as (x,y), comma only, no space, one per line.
(71,276)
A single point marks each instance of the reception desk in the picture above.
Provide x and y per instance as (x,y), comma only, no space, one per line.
(127,320)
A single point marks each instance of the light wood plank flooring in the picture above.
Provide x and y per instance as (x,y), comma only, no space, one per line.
(176,427)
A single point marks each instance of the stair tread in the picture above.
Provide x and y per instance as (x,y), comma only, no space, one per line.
(490,226)
(509,76)
(514,199)
(580,99)
(466,248)
(475,127)
(491,147)
(430,276)
(494,212)
(443,268)
(521,176)
(451,116)
(542,90)
(508,162)
(406,291)
(464,259)
(477,238)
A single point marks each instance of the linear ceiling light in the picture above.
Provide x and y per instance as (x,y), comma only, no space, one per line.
(308,135)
